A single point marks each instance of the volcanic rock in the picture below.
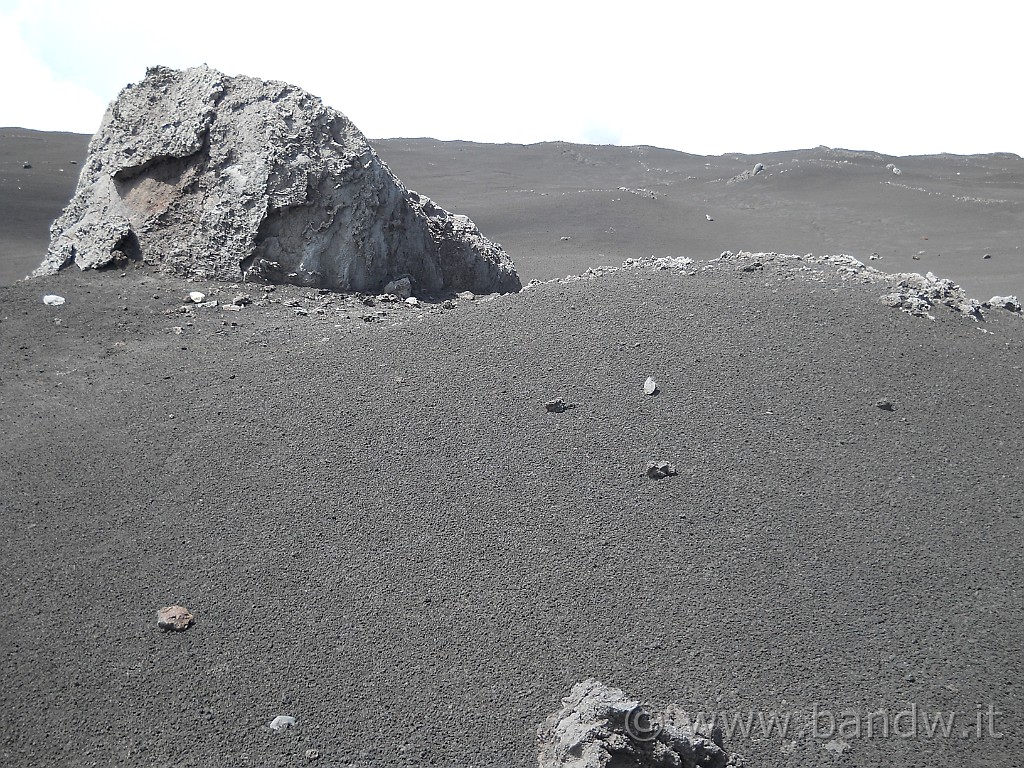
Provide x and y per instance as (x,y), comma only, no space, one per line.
(239,178)
(176,618)
(1010,303)
(656,470)
(599,727)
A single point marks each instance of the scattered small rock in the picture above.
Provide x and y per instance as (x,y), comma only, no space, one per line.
(178,330)
(656,470)
(708,217)
(650,386)
(312,754)
(558,405)
(1010,303)
(756,266)
(242,300)
(987,256)
(837,746)
(467,295)
(402,287)
(565,237)
(53,300)
(232,307)
(885,405)
(197,297)
(758,168)
(875,257)
(412,301)
(282,723)
(301,311)
(174,618)
(26,166)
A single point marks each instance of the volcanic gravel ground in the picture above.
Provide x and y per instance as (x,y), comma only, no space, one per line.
(382,533)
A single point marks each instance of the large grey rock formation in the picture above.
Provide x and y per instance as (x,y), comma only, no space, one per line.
(239,178)
(599,727)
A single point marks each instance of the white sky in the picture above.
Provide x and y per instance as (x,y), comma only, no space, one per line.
(899,77)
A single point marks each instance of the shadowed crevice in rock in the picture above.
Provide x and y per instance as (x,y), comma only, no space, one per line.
(238,178)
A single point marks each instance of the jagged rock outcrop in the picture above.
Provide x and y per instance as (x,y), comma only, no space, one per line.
(238,178)
(599,727)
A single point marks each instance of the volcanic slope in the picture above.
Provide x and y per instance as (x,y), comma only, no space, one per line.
(383,533)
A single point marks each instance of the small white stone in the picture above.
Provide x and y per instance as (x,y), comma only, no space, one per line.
(197,297)
(650,386)
(282,723)
(53,300)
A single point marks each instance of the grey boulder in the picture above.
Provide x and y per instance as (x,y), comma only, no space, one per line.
(238,178)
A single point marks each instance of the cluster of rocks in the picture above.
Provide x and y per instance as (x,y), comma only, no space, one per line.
(919,294)
(747,174)
(656,470)
(367,307)
(649,193)
(599,727)
(909,291)
(235,178)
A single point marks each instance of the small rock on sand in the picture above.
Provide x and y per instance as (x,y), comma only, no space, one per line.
(1009,303)
(885,405)
(53,300)
(402,288)
(197,297)
(175,618)
(650,386)
(282,723)
(557,405)
(656,470)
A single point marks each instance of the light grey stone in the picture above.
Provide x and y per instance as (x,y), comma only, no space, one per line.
(238,178)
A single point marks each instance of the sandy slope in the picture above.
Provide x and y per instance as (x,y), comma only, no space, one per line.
(947,210)
(382,532)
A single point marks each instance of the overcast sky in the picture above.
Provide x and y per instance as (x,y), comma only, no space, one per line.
(709,78)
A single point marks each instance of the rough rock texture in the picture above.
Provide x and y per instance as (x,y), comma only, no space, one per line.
(599,727)
(235,177)
(177,618)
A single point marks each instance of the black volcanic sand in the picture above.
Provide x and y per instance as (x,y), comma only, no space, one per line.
(383,534)
(31,198)
(948,210)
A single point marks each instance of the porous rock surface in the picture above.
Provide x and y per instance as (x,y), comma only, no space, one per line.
(239,178)
(600,727)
